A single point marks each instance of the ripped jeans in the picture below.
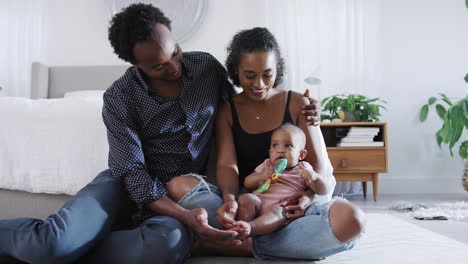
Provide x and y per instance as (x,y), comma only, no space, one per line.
(309,237)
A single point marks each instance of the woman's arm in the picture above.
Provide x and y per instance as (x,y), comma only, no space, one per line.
(316,151)
(227,173)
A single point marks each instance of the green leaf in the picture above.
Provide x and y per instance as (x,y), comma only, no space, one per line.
(325,101)
(457,128)
(447,101)
(439,138)
(466,3)
(464,112)
(432,100)
(351,103)
(358,115)
(371,100)
(381,106)
(440,109)
(325,117)
(423,113)
(466,76)
(444,132)
(463,151)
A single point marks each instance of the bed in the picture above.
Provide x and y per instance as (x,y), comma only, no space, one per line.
(36,138)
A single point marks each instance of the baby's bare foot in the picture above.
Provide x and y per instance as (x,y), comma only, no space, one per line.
(243,229)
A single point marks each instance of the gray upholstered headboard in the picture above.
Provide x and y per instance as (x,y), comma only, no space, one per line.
(55,81)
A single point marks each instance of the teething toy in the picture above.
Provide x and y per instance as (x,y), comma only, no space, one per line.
(280,166)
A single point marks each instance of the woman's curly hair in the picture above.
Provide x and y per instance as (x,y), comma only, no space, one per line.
(251,40)
(134,24)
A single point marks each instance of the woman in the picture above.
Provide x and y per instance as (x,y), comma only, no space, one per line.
(244,128)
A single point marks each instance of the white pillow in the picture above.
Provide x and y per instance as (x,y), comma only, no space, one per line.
(84,94)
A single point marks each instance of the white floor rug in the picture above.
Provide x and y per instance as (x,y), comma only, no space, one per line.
(456,211)
(388,240)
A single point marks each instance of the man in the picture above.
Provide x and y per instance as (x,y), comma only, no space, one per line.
(160,117)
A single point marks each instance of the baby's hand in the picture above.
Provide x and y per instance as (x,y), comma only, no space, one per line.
(308,173)
(267,173)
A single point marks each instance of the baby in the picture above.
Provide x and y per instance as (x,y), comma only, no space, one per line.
(262,213)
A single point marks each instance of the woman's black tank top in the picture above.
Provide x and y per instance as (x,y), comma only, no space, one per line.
(252,149)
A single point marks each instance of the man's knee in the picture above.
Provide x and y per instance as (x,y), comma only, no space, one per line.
(347,220)
(105,175)
(57,247)
(168,237)
(179,186)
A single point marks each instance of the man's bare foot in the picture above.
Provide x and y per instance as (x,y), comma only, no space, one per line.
(222,248)
(243,229)
(197,220)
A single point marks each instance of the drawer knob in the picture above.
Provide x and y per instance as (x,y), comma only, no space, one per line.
(344,163)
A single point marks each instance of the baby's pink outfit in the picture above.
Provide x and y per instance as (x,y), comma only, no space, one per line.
(288,183)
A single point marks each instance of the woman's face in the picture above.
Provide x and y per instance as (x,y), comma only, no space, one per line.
(257,73)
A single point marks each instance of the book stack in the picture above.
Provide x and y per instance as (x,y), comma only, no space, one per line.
(359,136)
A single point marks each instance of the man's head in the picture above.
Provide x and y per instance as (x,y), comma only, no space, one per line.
(288,141)
(141,35)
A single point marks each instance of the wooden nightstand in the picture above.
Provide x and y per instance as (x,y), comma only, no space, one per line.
(356,163)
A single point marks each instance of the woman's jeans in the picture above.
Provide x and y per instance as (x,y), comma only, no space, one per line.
(309,237)
(82,231)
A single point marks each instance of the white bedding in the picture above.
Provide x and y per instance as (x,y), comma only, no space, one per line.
(51,145)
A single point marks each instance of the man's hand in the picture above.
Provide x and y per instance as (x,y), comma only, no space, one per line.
(297,204)
(197,220)
(227,214)
(312,110)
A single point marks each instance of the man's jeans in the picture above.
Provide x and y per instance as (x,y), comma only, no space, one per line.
(82,231)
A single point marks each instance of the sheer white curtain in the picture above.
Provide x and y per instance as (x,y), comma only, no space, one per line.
(333,40)
(22,41)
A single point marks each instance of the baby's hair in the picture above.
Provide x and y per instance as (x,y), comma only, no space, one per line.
(296,131)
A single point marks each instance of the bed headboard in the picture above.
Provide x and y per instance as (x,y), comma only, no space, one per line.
(55,81)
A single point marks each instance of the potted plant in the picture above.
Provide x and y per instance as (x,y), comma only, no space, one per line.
(454,123)
(352,107)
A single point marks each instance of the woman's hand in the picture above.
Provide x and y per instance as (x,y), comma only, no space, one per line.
(226,214)
(308,173)
(312,110)
(297,204)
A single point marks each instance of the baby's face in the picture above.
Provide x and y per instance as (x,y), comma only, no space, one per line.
(285,145)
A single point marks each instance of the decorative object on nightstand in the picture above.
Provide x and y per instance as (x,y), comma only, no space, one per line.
(351,108)
(314,81)
(454,123)
(359,162)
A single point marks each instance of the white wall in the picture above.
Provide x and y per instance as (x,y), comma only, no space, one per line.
(78,30)
(422,48)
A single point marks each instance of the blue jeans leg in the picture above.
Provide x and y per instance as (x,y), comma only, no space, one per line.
(200,197)
(68,234)
(160,239)
(309,237)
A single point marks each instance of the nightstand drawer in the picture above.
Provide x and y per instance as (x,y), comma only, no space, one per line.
(366,159)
